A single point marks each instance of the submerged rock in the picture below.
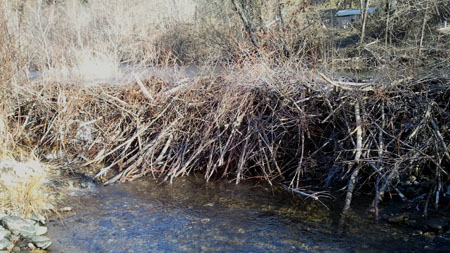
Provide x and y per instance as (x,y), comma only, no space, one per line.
(437,224)
(19,226)
(441,240)
(42,242)
(398,219)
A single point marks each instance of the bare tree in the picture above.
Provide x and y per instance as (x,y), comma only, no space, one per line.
(364,12)
(243,9)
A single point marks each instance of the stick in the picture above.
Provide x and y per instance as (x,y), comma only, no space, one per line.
(354,176)
(144,90)
(341,85)
(313,196)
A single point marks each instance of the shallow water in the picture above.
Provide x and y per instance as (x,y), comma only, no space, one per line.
(192,216)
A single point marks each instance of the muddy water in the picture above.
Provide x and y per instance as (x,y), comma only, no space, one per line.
(193,216)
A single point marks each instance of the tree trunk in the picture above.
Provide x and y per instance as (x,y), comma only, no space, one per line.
(364,12)
(240,8)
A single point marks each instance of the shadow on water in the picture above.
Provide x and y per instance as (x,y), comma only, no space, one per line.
(193,216)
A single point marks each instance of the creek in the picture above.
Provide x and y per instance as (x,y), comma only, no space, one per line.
(191,215)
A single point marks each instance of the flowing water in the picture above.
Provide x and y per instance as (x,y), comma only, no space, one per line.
(193,216)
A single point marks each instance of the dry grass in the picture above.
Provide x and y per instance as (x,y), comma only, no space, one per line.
(23,191)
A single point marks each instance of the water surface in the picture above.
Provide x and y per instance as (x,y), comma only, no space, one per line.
(194,216)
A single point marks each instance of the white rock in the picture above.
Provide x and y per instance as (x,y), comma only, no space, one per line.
(19,226)
(42,242)
(4,244)
(41,230)
(4,233)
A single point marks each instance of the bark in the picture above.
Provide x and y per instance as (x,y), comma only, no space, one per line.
(364,10)
(240,8)
(352,183)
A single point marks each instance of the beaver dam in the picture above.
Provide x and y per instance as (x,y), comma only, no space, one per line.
(282,125)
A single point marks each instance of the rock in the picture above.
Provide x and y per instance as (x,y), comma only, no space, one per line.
(428,235)
(436,224)
(65,209)
(4,233)
(31,246)
(41,242)
(398,219)
(205,220)
(4,243)
(442,240)
(14,238)
(19,226)
(2,215)
(39,218)
(41,230)
(417,232)
(411,223)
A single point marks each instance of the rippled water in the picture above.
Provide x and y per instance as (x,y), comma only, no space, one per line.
(193,216)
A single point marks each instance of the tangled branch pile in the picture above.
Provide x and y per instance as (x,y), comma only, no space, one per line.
(277,123)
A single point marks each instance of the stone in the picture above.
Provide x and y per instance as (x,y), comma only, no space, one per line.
(2,215)
(39,218)
(40,230)
(14,238)
(65,209)
(31,246)
(436,224)
(411,223)
(398,219)
(4,233)
(417,232)
(205,220)
(429,235)
(19,226)
(4,243)
(442,240)
(41,242)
